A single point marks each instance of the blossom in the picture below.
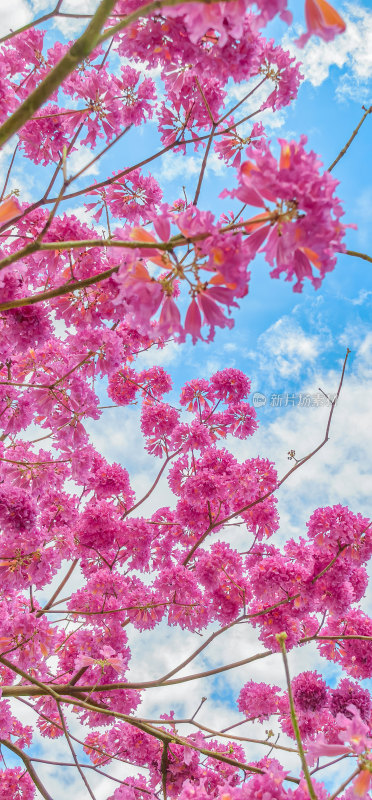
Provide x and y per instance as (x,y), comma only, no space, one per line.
(348,693)
(18,510)
(44,136)
(320,747)
(230,385)
(322,20)
(109,657)
(303,231)
(16,783)
(309,691)
(351,730)
(258,700)
(362,782)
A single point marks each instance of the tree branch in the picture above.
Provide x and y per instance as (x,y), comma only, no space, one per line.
(352,137)
(79,50)
(27,762)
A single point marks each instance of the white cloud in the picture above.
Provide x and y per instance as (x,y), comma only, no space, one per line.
(79,158)
(340,472)
(159,357)
(269,119)
(173,166)
(362,297)
(70,26)
(14,15)
(85,216)
(285,349)
(351,51)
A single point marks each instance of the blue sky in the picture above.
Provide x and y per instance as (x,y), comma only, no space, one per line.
(287,343)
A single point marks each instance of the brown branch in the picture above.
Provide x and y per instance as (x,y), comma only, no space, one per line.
(27,762)
(164,736)
(204,164)
(78,767)
(200,649)
(66,288)
(154,484)
(281,638)
(352,137)
(8,172)
(81,48)
(64,690)
(34,22)
(229,736)
(344,784)
(58,590)
(359,255)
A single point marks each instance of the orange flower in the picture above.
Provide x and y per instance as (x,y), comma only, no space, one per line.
(322,20)
(9,209)
(362,782)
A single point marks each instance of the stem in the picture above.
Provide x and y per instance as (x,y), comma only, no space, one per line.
(204,164)
(359,255)
(8,173)
(29,25)
(344,784)
(58,590)
(81,773)
(281,637)
(67,288)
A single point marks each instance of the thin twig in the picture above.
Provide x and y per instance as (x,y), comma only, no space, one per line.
(352,137)
(218,523)
(58,590)
(359,255)
(8,172)
(281,637)
(67,737)
(204,164)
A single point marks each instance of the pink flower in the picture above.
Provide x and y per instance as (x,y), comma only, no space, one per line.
(213,315)
(170,318)
(320,747)
(354,730)
(258,700)
(303,229)
(309,691)
(193,321)
(109,659)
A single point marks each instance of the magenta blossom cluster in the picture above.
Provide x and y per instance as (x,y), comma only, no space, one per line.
(173,564)
(299,227)
(97,557)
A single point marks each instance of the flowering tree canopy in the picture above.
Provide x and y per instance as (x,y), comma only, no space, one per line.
(77,307)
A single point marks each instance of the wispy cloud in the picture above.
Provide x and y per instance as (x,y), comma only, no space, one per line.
(174,166)
(284,350)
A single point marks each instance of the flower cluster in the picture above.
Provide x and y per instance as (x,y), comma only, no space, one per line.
(302,228)
(87,294)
